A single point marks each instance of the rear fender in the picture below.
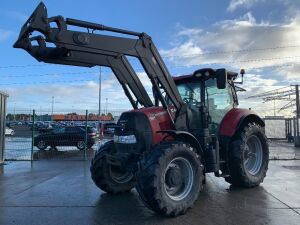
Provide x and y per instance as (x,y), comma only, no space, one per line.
(185,137)
(232,123)
(236,119)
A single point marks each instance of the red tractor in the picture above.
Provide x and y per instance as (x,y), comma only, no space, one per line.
(169,141)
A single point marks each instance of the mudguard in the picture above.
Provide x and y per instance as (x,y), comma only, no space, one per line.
(235,119)
(185,137)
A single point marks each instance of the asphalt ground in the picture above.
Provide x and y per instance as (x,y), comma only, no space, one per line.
(62,192)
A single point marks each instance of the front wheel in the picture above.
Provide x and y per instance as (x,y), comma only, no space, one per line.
(109,178)
(170,178)
(248,157)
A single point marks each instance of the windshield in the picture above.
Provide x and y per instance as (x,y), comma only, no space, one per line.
(219,101)
(190,92)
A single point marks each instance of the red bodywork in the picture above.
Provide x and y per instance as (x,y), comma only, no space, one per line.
(159,120)
(232,119)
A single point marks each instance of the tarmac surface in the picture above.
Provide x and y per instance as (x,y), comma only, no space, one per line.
(62,192)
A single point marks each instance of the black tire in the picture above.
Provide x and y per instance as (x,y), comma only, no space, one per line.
(80,145)
(246,170)
(153,184)
(105,175)
(41,145)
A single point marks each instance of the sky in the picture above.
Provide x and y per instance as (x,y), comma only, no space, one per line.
(261,36)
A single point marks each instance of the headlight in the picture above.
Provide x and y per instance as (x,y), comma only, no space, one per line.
(128,139)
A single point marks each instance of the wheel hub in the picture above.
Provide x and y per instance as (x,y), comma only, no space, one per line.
(178,178)
(174,177)
(118,175)
(253,155)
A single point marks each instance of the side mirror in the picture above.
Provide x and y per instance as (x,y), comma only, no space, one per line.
(221,77)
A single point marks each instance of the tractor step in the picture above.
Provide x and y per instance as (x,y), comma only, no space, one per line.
(218,174)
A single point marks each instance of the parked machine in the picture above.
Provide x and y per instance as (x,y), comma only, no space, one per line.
(163,147)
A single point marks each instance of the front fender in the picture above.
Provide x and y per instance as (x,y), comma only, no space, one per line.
(235,119)
(186,137)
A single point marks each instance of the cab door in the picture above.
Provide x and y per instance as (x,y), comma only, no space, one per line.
(219,103)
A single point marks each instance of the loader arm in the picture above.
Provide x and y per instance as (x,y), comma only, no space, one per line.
(90,49)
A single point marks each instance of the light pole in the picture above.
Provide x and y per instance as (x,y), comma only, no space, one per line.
(14,111)
(106,106)
(52,106)
(99,110)
(274,107)
(297,141)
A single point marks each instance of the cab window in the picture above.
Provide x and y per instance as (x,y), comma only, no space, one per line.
(219,102)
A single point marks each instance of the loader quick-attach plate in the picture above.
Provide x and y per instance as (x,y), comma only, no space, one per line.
(36,22)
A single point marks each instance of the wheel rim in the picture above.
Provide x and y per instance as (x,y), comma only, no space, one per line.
(80,144)
(253,155)
(178,178)
(118,175)
(41,144)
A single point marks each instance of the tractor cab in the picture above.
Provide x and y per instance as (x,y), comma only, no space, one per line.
(217,100)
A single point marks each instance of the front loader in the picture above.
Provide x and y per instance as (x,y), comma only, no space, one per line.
(169,141)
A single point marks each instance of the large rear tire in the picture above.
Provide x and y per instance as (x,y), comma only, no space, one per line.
(248,157)
(108,178)
(170,178)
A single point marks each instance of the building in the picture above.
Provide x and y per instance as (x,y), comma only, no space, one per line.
(3,98)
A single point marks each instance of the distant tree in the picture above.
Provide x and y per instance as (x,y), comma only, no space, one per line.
(72,114)
(9,117)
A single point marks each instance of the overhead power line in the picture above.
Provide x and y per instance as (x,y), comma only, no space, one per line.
(233,51)
(238,61)
(48,74)
(173,55)
(46,82)
(271,93)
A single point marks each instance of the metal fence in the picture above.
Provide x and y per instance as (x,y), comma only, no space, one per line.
(281,128)
(75,136)
(68,136)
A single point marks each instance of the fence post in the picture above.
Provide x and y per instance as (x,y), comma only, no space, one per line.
(86,134)
(32,133)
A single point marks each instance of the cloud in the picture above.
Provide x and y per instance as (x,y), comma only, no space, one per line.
(234,4)
(268,51)
(5,34)
(77,97)
(256,84)
(239,43)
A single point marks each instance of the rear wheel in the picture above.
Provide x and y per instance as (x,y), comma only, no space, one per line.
(109,178)
(80,145)
(170,178)
(41,145)
(248,157)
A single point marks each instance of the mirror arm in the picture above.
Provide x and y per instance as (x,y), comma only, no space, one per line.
(240,82)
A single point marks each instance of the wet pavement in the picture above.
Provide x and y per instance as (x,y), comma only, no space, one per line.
(61,192)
